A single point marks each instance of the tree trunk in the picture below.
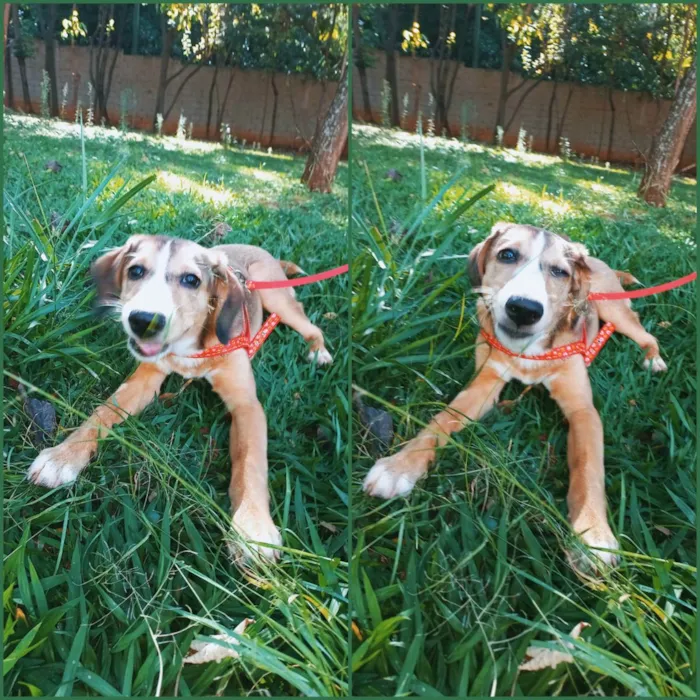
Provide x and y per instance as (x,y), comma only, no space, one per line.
(9,87)
(611,133)
(222,104)
(211,94)
(360,62)
(391,77)
(167,38)
(508,52)
(49,32)
(329,141)
(21,62)
(667,150)
(550,114)
(275,97)
(6,17)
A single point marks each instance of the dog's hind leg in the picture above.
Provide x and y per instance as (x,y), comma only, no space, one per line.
(59,465)
(619,311)
(283,303)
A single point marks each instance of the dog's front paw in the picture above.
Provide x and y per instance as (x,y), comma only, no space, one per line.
(255,530)
(56,466)
(393,476)
(656,364)
(599,539)
(320,357)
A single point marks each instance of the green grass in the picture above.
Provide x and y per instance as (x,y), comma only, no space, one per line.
(450,586)
(108,582)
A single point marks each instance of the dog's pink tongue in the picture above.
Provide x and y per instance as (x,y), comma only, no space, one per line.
(150,349)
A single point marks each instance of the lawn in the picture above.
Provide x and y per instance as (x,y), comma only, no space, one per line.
(108,582)
(452,584)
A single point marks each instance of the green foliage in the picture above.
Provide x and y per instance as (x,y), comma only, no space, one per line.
(107,582)
(450,585)
(627,46)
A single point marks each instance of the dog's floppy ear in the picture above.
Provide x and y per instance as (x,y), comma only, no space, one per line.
(581,277)
(107,273)
(230,299)
(477,258)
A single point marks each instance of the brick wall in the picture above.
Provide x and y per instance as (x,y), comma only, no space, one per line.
(248,112)
(587,123)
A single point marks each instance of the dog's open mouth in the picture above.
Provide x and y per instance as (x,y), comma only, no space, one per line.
(146,349)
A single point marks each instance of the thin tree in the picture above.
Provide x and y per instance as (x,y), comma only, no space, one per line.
(668,146)
(391,75)
(48,27)
(330,139)
(22,48)
(361,62)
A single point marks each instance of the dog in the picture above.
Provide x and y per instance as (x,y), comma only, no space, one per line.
(176,298)
(534,287)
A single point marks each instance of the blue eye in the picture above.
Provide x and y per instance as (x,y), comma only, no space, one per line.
(136,272)
(558,271)
(508,255)
(191,281)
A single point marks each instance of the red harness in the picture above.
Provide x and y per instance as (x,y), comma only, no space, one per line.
(252,345)
(581,347)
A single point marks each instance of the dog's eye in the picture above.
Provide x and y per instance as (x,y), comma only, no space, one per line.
(136,272)
(190,280)
(558,272)
(508,255)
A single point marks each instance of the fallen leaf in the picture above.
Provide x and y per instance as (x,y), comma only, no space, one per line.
(42,415)
(204,652)
(539,657)
(53,165)
(378,422)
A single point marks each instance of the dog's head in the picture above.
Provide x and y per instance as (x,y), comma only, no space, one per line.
(172,294)
(534,282)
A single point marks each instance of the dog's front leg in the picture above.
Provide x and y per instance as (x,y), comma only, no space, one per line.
(571,389)
(397,475)
(61,464)
(233,381)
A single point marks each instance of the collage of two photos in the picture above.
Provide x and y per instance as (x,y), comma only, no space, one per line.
(349,349)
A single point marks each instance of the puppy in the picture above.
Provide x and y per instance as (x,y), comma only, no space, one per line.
(176,299)
(534,287)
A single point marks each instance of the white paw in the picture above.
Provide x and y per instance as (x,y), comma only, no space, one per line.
(600,539)
(656,364)
(55,467)
(256,530)
(385,480)
(321,357)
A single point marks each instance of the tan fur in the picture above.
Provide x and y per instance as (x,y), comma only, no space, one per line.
(192,326)
(567,380)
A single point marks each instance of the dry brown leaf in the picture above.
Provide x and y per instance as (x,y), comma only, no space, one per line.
(539,658)
(204,652)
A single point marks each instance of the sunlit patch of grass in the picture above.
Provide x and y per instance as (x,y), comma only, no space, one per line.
(451,585)
(109,581)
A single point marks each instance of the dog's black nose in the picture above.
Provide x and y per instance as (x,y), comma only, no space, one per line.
(146,324)
(524,312)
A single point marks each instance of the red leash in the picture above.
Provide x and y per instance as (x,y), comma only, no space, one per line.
(252,345)
(581,347)
(299,281)
(638,293)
